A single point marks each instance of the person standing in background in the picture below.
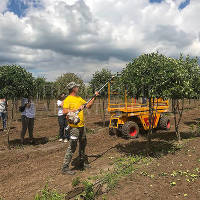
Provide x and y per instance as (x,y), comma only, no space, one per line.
(3,112)
(28,116)
(61,118)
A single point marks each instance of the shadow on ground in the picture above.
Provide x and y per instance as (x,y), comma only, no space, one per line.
(155,149)
(27,141)
(100,123)
(171,135)
(76,161)
(11,128)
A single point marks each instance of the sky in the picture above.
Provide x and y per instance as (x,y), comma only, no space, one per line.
(52,37)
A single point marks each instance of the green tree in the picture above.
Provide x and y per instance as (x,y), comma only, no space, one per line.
(39,87)
(98,80)
(49,92)
(62,82)
(155,75)
(183,78)
(15,82)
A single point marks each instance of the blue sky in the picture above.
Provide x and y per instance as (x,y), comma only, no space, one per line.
(181,6)
(19,7)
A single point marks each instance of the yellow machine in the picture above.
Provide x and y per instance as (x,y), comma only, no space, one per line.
(129,118)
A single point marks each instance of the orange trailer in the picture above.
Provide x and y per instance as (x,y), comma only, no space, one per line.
(131,117)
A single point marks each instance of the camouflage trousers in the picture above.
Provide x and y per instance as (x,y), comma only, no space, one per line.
(81,137)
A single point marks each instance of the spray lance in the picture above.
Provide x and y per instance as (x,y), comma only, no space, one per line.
(73,116)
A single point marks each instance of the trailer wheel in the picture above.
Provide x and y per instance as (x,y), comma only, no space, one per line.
(130,129)
(164,123)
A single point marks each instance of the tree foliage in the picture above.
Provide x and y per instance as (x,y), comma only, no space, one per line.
(39,87)
(99,79)
(62,82)
(155,75)
(15,82)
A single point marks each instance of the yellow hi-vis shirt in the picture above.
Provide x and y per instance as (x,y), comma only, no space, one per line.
(74,103)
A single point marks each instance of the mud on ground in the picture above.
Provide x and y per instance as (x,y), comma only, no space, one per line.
(24,170)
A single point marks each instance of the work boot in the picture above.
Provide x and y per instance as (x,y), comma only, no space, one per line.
(66,170)
(86,166)
(32,141)
(83,165)
(22,141)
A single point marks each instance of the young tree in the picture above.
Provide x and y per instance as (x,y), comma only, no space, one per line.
(15,83)
(183,74)
(62,82)
(49,91)
(98,80)
(155,75)
(39,87)
(142,78)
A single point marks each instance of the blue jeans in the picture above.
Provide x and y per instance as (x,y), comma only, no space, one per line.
(3,116)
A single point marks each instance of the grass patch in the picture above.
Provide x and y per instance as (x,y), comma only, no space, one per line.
(76,181)
(47,194)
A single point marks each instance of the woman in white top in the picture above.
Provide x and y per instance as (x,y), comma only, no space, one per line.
(3,112)
(61,118)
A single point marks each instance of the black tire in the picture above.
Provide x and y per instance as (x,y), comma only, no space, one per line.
(112,131)
(164,123)
(130,130)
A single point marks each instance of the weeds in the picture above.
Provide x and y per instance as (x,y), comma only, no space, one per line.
(76,181)
(122,167)
(47,194)
(109,179)
(173,183)
(89,191)
(198,128)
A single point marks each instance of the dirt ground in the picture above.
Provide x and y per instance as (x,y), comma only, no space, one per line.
(24,170)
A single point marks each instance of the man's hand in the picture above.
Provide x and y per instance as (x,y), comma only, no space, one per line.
(97,93)
(81,107)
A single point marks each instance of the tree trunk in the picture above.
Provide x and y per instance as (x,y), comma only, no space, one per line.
(178,113)
(12,111)
(48,104)
(10,124)
(150,122)
(103,112)
(99,106)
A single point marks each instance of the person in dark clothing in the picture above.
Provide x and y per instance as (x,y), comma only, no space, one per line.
(61,118)
(28,116)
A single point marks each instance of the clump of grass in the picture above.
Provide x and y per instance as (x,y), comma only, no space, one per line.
(47,194)
(76,181)
(198,128)
(89,191)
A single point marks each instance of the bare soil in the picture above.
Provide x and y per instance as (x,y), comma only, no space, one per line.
(24,170)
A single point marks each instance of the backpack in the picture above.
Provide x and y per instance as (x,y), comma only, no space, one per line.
(22,108)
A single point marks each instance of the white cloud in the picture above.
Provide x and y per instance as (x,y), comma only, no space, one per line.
(81,36)
(3,5)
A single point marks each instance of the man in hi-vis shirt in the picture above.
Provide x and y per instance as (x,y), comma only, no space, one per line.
(72,103)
